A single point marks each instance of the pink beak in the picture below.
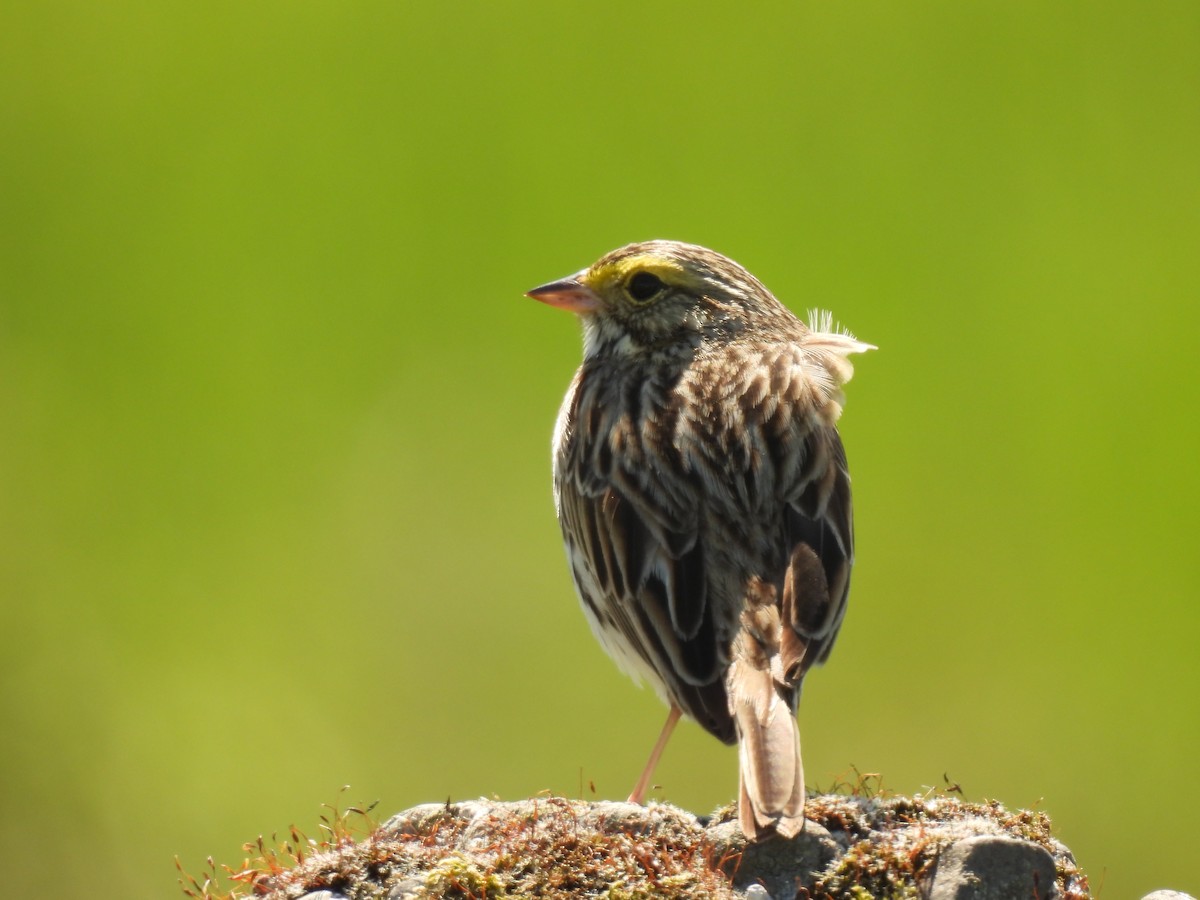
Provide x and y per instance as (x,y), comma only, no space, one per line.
(570,294)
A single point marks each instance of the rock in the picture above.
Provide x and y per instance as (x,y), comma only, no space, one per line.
(991,867)
(899,846)
(1168,895)
(939,847)
(776,866)
(408,889)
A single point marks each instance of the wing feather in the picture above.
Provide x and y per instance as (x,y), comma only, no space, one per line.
(636,534)
(673,498)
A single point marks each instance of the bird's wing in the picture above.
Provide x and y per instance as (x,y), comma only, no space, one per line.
(632,533)
(819,537)
(765,442)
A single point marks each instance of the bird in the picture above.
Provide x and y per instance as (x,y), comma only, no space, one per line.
(704,500)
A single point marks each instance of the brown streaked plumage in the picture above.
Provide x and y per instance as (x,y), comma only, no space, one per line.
(704,499)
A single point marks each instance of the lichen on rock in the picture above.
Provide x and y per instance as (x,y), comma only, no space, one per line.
(853,846)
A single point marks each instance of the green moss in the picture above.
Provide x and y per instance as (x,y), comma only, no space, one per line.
(457,875)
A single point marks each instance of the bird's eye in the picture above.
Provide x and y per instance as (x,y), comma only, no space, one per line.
(643,286)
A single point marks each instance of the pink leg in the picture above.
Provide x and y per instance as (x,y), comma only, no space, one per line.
(643,783)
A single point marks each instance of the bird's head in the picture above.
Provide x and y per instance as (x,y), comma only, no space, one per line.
(661,296)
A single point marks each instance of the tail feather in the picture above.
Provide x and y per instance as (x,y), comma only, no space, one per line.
(771,773)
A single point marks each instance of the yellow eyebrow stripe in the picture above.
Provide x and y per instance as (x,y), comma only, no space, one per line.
(608,274)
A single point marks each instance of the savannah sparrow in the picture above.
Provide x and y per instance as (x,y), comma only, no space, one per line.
(704,500)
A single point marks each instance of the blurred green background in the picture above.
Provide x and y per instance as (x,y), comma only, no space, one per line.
(275,510)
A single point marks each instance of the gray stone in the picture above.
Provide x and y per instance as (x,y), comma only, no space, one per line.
(633,818)
(934,847)
(991,867)
(408,889)
(420,819)
(1168,895)
(607,817)
(776,865)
